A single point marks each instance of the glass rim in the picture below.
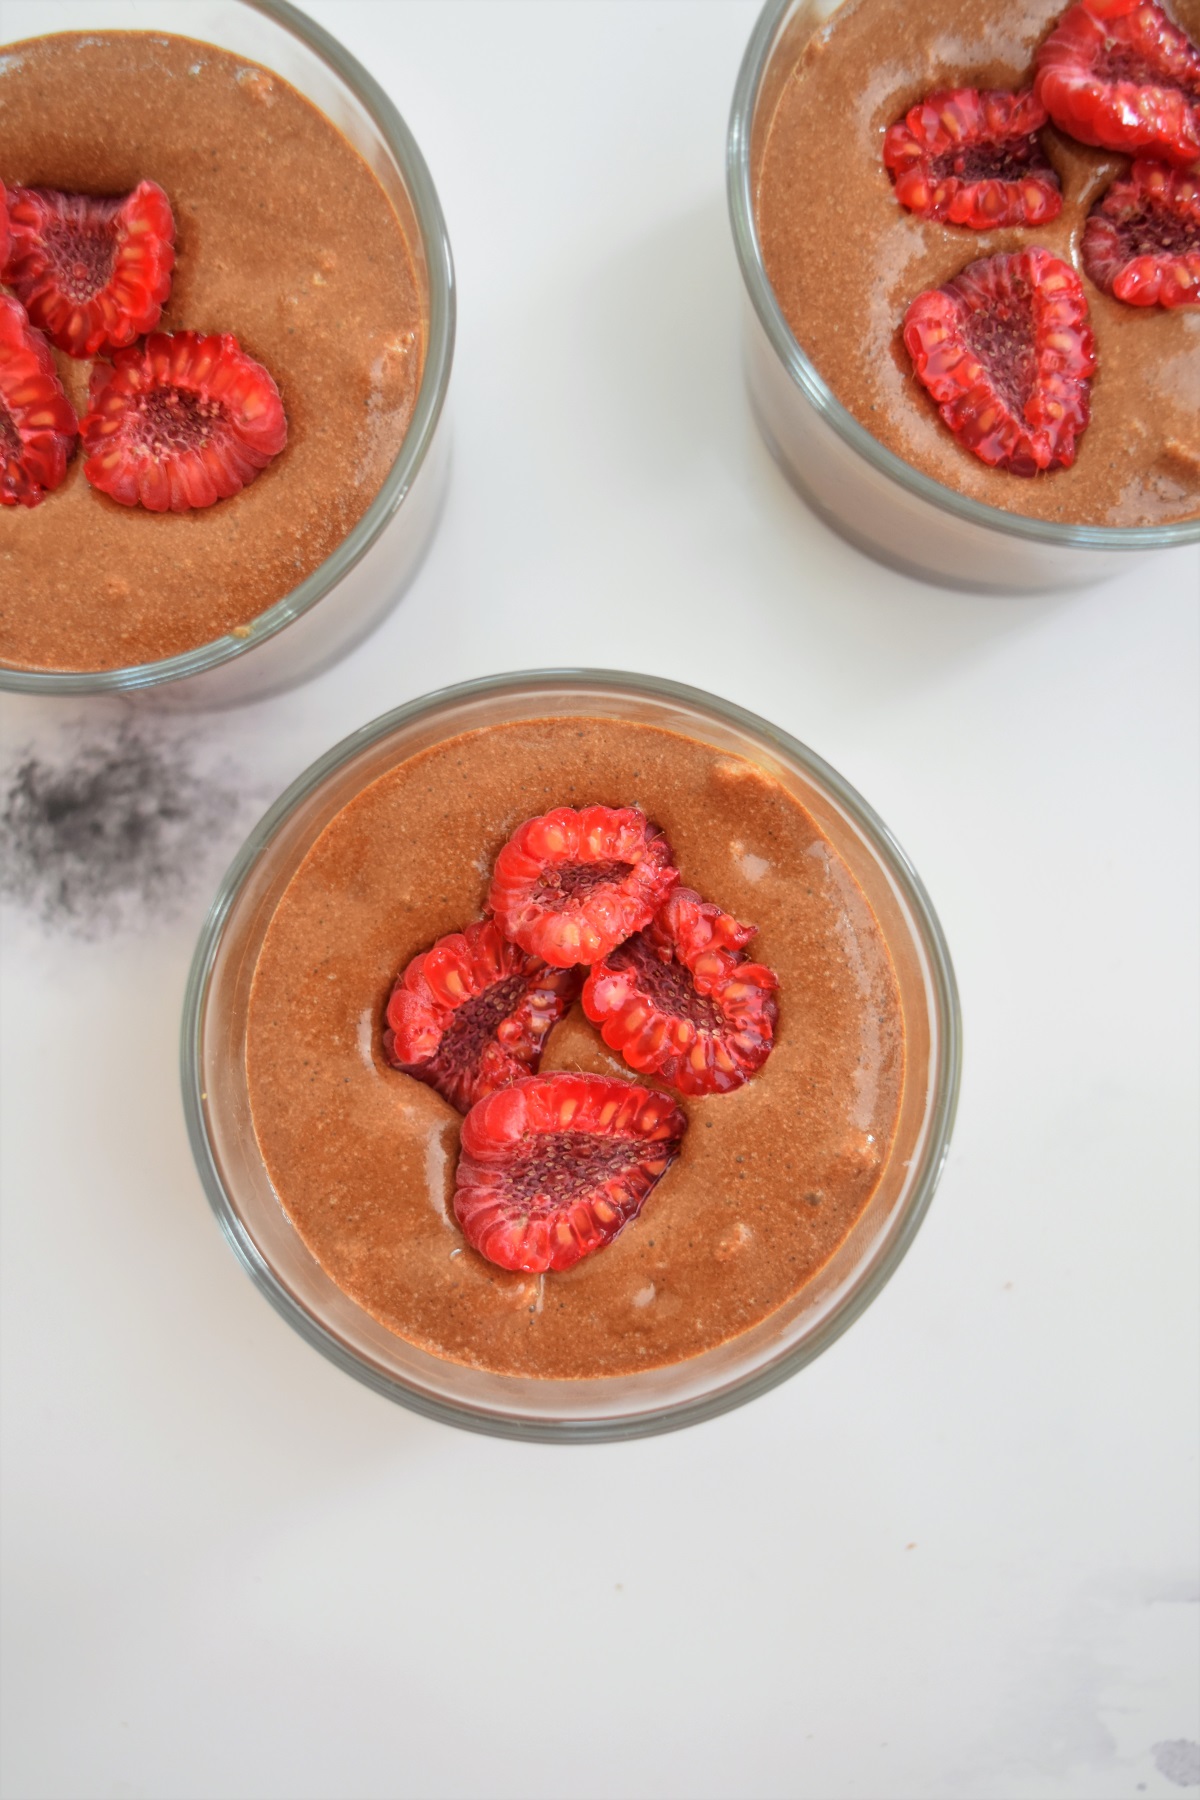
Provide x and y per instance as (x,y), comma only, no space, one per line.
(740,1389)
(739,193)
(439,354)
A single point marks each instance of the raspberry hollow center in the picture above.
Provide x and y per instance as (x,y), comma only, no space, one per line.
(1155,231)
(475,1021)
(1001,336)
(169,421)
(668,985)
(563,884)
(986,162)
(553,1169)
(1122,62)
(82,257)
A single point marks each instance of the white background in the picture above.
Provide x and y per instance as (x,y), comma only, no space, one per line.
(954,1558)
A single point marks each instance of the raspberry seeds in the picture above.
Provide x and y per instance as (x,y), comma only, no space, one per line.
(553,1166)
(92,273)
(570,886)
(974,158)
(1121,74)
(1006,351)
(1141,243)
(37,425)
(176,420)
(1005,348)
(472,1013)
(683,1001)
(180,421)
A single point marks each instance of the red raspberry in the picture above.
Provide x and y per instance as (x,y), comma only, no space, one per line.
(974,159)
(37,425)
(554,1166)
(92,273)
(1118,73)
(180,421)
(1141,242)
(680,999)
(4,238)
(570,885)
(473,1013)
(1007,352)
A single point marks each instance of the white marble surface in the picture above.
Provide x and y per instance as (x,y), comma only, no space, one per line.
(953,1560)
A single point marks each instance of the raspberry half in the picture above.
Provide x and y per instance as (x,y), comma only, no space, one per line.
(1007,352)
(569,886)
(681,1000)
(556,1165)
(180,421)
(91,272)
(1120,74)
(472,1014)
(974,158)
(1141,242)
(37,424)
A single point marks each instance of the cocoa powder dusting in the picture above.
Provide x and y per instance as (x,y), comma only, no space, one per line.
(112,832)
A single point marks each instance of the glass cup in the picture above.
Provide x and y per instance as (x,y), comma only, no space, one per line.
(351,591)
(866,492)
(217,1103)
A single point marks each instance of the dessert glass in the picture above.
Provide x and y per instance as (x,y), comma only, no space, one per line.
(217,1101)
(351,591)
(867,493)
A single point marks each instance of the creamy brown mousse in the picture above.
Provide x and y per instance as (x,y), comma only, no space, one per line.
(284,238)
(845,259)
(771,1177)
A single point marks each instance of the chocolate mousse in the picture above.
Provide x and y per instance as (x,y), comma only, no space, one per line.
(770,1178)
(846,260)
(284,239)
